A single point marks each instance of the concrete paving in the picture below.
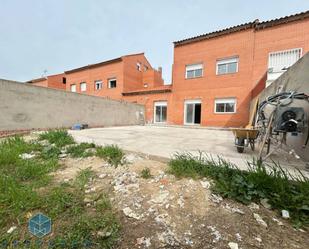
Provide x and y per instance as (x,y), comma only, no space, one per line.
(165,141)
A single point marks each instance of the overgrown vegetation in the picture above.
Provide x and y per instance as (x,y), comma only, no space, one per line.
(59,138)
(145,173)
(112,154)
(26,188)
(283,190)
(81,150)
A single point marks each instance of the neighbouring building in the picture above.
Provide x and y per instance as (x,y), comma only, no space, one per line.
(216,75)
(130,77)
(57,81)
(214,78)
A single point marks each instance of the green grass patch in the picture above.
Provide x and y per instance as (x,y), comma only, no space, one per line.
(145,173)
(81,150)
(260,181)
(112,154)
(60,138)
(26,188)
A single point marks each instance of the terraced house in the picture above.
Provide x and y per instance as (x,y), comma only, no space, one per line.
(214,78)
(216,75)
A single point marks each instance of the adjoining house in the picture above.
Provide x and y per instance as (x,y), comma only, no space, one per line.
(129,77)
(56,81)
(216,75)
(214,78)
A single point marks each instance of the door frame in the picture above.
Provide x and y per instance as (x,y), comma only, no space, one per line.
(191,101)
(155,104)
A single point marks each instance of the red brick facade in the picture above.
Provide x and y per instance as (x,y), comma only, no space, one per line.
(249,44)
(56,81)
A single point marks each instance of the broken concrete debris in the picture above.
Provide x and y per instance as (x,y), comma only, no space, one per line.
(216,198)
(259,219)
(168,238)
(254,206)
(234,210)
(278,222)
(285,214)
(143,241)
(265,204)
(205,184)
(11,229)
(215,233)
(238,237)
(233,245)
(130,213)
(26,156)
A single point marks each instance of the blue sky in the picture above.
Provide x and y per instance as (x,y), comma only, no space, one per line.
(58,35)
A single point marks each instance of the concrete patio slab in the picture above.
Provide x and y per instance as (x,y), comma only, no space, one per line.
(163,141)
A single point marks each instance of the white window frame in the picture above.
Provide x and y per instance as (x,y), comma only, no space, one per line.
(81,88)
(100,82)
(109,83)
(271,69)
(225,61)
(225,101)
(191,101)
(195,66)
(139,66)
(159,103)
(73,85)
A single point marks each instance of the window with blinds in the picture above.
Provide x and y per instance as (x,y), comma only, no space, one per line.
(281,60)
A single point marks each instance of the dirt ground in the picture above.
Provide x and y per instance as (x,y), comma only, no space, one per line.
(165,212)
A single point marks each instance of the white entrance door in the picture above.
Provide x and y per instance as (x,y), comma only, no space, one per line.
(160,112)
(192,112)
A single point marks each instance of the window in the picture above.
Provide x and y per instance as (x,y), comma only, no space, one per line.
(73,88)
(139,66)
(227,66)
(112,83)
(225,105)
(145,68)
(160,111)
(194,71)
(83,86)
(281,60)
(64,80)
(98,84)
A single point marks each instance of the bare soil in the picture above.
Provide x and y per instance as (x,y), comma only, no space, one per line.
(165,212)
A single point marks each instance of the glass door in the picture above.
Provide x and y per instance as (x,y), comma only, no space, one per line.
(192,112)
(160,112)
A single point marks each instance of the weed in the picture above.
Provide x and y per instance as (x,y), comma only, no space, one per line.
(83,177)
(25,188)
(81,150)
(49,152)
(58,137)
(145,173)
(260,181)
(112,154)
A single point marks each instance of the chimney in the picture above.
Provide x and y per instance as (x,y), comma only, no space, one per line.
(160,70)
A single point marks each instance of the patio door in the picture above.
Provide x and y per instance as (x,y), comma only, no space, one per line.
(192,115)
(160,111)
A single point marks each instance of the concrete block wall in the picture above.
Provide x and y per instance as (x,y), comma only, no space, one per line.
(24,106)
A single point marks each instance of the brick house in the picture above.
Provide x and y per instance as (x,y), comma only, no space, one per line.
(57,81)
(129,77)
(215,75)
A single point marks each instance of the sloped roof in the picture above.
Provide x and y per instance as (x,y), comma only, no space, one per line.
(100,63)
(257,25)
